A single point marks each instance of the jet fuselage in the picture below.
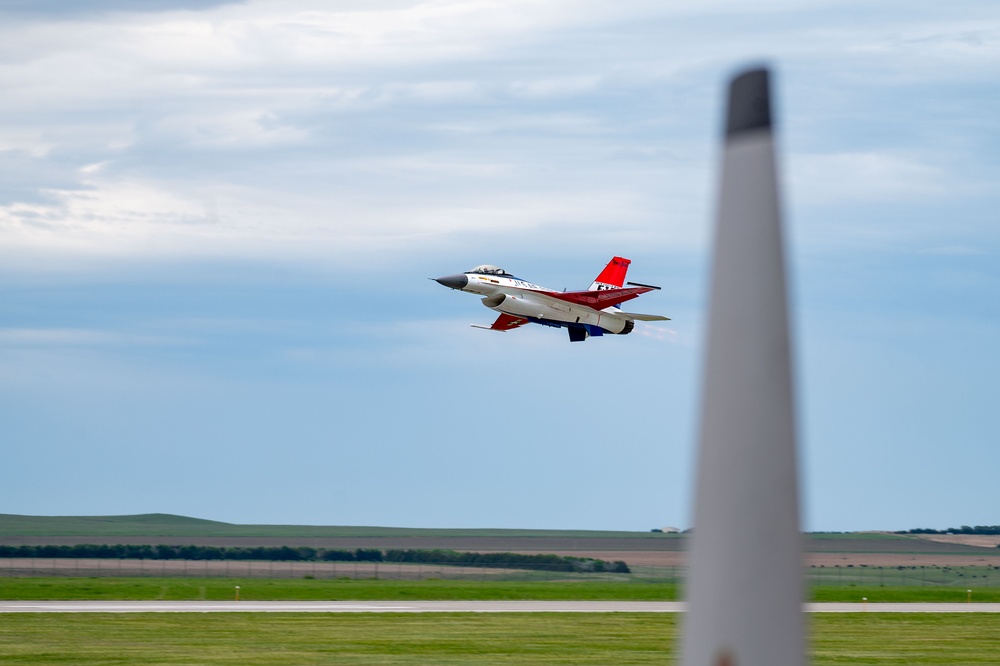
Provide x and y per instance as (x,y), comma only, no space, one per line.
(583,313)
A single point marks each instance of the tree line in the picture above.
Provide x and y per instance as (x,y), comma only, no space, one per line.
(964,529)
(507,561)
(308,554)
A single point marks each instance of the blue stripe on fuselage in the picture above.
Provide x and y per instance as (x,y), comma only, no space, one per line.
(593,331)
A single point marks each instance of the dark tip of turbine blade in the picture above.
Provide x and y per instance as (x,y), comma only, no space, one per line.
(749,102)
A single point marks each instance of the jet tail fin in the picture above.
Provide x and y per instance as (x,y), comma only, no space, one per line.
(613,275)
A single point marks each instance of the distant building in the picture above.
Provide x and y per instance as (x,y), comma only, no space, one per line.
(670,530)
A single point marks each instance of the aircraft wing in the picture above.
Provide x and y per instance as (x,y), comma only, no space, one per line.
(600,299)
(505,322)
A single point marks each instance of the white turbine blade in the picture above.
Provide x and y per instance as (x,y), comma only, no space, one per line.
(744,584)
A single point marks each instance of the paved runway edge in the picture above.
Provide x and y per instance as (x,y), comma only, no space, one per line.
(447,607)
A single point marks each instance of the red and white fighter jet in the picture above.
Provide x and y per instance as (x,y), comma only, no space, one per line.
(583,313)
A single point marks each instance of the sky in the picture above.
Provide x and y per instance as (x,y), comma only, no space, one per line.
(217,221)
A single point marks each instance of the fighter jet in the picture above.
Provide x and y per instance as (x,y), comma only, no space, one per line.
(583,313)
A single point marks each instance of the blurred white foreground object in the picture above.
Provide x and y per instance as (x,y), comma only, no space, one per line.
(744,585)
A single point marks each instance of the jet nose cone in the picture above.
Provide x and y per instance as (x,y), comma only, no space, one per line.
(453,281)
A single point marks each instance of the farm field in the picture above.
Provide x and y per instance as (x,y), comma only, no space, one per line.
(462,638)
(865,559)
(969,573)
(636,548)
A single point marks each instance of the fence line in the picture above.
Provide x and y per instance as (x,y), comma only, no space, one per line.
(870,576)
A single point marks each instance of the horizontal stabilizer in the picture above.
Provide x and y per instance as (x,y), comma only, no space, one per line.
(642,317)
(601,298)
(504,322)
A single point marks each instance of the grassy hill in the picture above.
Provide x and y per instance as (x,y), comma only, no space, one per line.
(160,528)
(164,524)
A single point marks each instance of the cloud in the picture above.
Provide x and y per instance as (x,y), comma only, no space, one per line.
(314,131)
(956,251)
(13,338)
(71,9)
(954,48)
(864,176)
(661,333)
(58,336)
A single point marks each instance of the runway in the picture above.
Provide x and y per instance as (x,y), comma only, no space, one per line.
(444,607)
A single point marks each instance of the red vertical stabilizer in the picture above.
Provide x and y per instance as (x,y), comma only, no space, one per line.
(613,275)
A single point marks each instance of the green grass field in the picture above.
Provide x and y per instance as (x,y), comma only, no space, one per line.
(941,576)
(259,589)
(460,638)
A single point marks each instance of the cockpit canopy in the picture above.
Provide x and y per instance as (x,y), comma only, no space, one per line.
(487,269)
